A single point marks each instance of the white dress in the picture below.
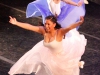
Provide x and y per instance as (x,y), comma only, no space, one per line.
(54,58)
(54,7)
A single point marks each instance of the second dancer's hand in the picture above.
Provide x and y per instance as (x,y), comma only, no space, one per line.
(79,3)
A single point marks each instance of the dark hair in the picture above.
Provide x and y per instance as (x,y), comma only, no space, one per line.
(54,20)
(40,24)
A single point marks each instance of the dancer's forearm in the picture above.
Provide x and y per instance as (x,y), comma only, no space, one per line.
(75,25)
(24,25)
(28,26)
(72,26)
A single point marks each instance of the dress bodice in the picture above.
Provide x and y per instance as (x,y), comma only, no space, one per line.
(54,46)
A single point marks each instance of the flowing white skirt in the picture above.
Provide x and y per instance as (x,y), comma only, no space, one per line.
(41,61)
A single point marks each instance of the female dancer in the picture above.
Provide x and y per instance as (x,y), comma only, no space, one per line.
(64,10)
(54,55)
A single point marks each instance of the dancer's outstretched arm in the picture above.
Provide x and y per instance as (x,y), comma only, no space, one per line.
(25,25)
(73,3)
(72,26)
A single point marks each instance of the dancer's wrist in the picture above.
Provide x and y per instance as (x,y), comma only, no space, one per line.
(76,4)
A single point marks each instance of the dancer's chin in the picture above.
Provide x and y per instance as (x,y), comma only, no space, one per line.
(47,30)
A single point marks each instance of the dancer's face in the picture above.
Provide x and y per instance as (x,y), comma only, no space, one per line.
(49,25)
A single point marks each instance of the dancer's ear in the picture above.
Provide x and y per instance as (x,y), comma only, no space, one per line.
(54,25)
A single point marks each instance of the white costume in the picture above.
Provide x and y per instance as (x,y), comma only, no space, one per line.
(54,8)
(54,58)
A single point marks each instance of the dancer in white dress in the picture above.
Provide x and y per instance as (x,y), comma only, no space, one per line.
(55,5)
(54,55)
(64,10)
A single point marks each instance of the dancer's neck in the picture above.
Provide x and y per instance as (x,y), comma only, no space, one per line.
(56,1)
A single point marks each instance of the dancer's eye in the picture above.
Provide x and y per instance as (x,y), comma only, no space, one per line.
(48,24)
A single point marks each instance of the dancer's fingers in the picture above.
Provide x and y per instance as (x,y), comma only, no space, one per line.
(14,19)
(81,18)
(10,17)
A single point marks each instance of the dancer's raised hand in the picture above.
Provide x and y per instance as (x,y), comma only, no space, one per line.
(81,19)
(12,20)
(25,25)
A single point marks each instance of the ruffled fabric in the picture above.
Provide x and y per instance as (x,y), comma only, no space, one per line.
(69,13)
(43,61)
